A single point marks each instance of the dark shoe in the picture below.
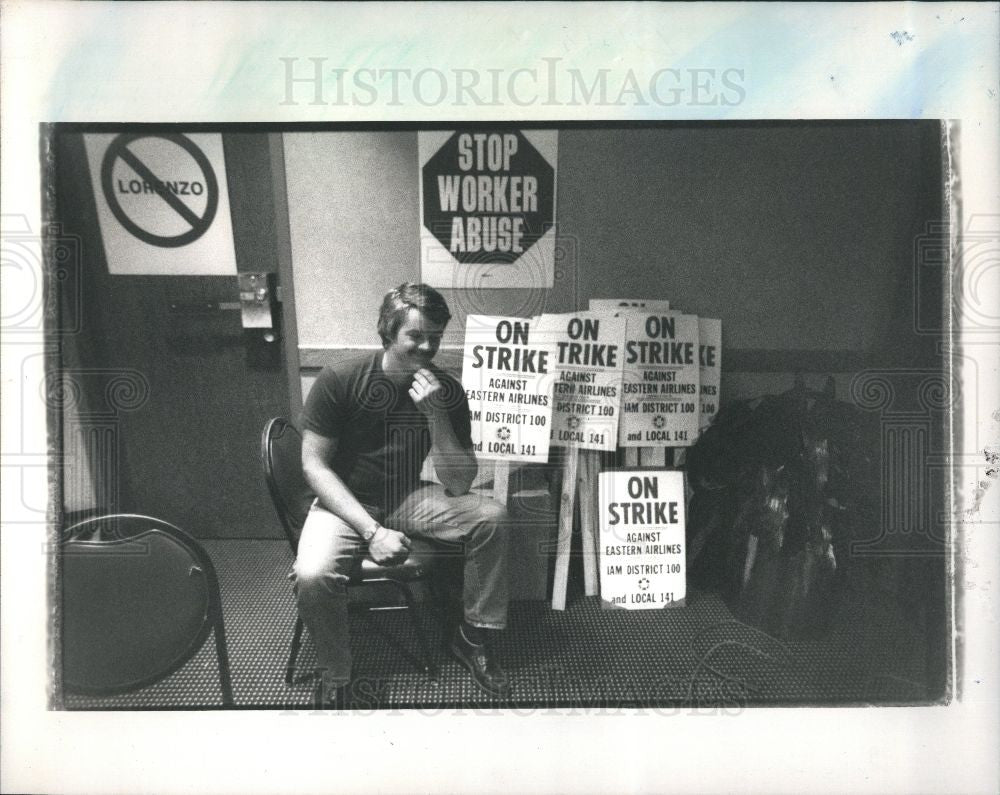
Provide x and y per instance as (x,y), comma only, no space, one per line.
(325,697)
(481,664)
(361,694)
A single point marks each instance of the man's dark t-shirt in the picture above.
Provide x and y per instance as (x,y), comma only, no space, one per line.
(382,437)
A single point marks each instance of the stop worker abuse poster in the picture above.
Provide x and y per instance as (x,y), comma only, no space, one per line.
(660,382)
(710,368)
(487,207)
(506,374)
(642,560)
(586,390)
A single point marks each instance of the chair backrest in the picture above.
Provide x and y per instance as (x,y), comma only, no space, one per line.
(139,599)
(281,457)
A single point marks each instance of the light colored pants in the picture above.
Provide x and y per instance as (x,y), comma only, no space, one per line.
(329,550)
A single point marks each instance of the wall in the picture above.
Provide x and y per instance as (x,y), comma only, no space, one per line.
(799,236)
(354,221)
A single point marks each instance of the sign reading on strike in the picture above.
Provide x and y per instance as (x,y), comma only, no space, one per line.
(660,401)
(615,304)
(505,372)
(642,539)
(710,359)
(588,372)
(162,203)
(487,208)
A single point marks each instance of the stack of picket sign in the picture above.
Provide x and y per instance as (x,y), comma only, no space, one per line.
(625,374)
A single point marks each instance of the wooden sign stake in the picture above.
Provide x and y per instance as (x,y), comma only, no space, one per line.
(651,456)
(590,465)
(560,579)
(501,481)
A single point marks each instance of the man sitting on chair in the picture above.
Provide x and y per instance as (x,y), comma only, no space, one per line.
(368,425)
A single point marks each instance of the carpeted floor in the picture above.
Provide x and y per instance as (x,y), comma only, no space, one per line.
(696,656)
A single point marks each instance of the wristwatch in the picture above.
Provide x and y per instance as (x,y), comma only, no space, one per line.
(369,534)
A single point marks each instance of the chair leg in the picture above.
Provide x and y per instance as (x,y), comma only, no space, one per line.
(222,652)
(442,607)
(294,653)
(429,667)
(446,589)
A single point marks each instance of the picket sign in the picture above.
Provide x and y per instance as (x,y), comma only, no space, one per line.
(588,375)
(643,537)
(581,469)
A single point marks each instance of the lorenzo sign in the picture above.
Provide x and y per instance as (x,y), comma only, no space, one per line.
(487,208)
(162,203)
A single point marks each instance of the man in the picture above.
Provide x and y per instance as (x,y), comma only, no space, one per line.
(368,424)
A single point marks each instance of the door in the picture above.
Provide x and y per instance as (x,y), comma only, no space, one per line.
(172,390)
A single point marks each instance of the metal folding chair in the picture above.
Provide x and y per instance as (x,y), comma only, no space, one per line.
(139,598)
(281,456)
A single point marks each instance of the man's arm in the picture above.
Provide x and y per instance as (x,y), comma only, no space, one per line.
(455,465)
(386,546)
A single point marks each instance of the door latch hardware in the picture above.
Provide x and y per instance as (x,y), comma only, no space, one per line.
(257,295)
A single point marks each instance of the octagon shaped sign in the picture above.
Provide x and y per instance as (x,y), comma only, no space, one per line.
(487,208)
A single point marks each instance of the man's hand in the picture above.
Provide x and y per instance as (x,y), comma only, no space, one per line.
(389,547)
(455,465)
(424,392)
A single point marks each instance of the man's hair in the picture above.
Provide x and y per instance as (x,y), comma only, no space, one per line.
(397,304)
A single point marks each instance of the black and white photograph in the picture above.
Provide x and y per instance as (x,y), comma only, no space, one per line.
(500,397)
(283,362)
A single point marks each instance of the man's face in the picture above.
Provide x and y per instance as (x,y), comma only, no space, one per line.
(415,343)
